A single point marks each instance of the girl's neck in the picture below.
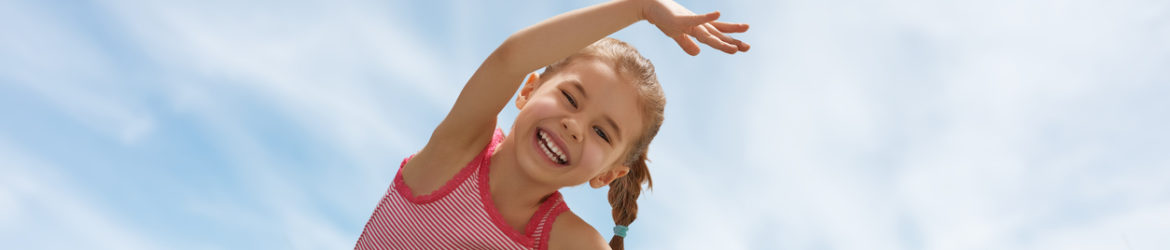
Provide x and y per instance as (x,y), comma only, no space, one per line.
(510,186)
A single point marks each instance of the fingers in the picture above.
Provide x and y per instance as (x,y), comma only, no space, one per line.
(698,19)
(706,30)
(687,45)
(726,27)
(740,45)
(706,36)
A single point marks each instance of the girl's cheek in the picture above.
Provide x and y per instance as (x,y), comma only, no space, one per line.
(544,106)
(594,155)
(534,111)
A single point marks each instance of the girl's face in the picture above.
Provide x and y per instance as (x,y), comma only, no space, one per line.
(575,126)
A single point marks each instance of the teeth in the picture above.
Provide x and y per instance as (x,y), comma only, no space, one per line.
(555,152)
(549,154)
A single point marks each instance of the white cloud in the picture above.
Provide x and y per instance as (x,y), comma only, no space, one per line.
(884,125)
(50,58)
(338,70)
(900,125)
(41,208)
(326,67)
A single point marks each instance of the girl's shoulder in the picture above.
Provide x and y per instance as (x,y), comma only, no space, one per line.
(438,162)
(571,232)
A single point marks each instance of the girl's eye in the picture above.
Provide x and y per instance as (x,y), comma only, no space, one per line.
(601,133)
(570,98)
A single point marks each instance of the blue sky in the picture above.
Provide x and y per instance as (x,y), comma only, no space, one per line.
(850,125)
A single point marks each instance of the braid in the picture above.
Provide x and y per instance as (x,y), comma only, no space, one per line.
(623,197)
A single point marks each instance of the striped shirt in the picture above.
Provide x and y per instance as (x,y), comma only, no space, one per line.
(459,215)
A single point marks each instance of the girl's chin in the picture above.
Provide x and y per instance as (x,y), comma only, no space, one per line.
(541,170)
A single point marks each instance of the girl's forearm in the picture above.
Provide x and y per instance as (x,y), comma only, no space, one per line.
(558,37)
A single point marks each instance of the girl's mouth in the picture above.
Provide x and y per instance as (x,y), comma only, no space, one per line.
(552,148)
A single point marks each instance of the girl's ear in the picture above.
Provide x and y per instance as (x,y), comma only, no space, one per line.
(525,92)
(608,176)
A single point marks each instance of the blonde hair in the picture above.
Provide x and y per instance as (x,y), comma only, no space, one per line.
(624,191)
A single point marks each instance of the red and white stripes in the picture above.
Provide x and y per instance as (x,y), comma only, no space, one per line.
(460,215)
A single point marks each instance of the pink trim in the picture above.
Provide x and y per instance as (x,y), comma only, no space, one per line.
(546,232)
(405,192)
(549,203)
(490,206)
(498,219)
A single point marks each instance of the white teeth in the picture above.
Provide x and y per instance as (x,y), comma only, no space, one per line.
(555,152)
(549,154)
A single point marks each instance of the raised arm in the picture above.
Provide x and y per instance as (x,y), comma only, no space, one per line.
(471,121)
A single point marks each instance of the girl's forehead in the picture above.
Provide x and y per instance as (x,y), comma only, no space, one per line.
(593,73)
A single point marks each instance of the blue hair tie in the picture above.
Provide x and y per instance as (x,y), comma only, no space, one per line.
(620,230)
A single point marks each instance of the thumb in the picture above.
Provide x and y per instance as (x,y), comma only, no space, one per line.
(693,20)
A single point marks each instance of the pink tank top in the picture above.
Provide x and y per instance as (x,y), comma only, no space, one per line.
(459,215)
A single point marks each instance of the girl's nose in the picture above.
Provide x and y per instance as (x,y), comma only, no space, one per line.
(572,128)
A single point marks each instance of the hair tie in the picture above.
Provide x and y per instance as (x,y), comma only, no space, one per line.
(620,230)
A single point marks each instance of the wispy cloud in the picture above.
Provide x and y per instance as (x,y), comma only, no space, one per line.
(901,125)
(49,57)
(868,125)
(41,208)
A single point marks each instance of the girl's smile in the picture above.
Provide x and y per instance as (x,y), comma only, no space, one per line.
(553,147)
(575,120)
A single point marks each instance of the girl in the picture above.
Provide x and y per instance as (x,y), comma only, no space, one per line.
(588,118)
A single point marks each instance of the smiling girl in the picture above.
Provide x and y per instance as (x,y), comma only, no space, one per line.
(588,118)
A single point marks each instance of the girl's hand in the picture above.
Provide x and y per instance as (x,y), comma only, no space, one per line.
(680,24)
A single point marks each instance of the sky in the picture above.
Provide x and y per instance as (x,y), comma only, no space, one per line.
(900,124)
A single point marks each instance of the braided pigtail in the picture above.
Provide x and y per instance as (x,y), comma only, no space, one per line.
(623,196)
